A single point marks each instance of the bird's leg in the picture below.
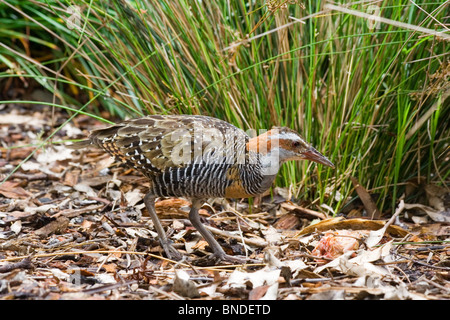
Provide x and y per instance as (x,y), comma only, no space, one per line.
(218,253)
(170,251)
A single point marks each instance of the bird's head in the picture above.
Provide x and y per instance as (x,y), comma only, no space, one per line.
(286,144)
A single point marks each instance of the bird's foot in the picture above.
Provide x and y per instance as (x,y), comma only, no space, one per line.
(170,251)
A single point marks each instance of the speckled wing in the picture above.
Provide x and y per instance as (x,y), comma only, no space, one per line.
(155,143)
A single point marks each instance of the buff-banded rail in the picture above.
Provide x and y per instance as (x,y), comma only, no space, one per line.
(200,157)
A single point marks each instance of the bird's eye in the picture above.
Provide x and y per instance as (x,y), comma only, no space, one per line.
(296,144)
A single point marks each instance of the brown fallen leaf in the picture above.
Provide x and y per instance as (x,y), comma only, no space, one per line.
(57,225)
(18,215)
(96,181)
(20,153)
(258,292)
(369,204)
(353,224)
(302,212)
(287,222)
(71,178)
(335,243)
(433,230)
(10,189)
(110,267)
(175,208)
(201,245)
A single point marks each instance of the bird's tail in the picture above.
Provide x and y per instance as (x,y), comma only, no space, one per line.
(79,144)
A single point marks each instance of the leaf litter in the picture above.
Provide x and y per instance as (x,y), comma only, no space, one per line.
(74,226)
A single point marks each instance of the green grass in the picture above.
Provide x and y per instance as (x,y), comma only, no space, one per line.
(356,93)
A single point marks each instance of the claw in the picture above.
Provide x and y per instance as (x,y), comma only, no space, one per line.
(171,252)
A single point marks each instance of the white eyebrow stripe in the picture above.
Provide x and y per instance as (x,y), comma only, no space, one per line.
(287,135)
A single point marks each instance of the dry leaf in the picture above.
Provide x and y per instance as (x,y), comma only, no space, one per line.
(57,225)
(335,243)
(257,278)
(271,292)
(10,119)
(438,197)
(16,226)
(85,188)
(435,215)
(369,204)
(183,286)
(361,264)
(354,224)
(272,235)
(10,189)
(133,196)
(110,267)
(375,236)
(20,153)
(173,208)
(71,178)
(287,222)
(302,212)
(53,154)
(258,292)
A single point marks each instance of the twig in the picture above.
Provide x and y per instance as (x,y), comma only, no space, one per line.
(298,209)
(402,272)
(171,295)
(422,263)
(256,243)
(44,255)
(34,177)
(24,264)
(109,287)
(315,280)
(60,243)
(310,256)
(71,213)
(54,254)
(436,285)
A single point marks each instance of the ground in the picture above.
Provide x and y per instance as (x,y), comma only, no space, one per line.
(73,226)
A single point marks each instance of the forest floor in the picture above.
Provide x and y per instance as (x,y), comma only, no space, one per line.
(73,226)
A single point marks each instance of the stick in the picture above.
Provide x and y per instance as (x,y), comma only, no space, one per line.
(24,264)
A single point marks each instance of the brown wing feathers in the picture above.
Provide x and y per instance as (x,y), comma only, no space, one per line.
(147,143)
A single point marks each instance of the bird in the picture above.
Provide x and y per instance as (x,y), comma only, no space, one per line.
(200,157)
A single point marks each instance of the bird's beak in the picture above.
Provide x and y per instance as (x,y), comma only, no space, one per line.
(314,155)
